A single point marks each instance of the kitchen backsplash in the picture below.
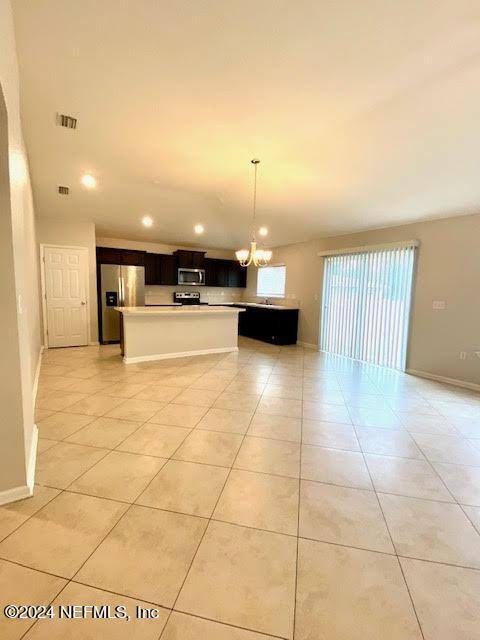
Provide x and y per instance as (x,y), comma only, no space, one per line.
(155,294)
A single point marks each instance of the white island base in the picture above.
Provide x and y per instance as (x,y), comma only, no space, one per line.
(157,333)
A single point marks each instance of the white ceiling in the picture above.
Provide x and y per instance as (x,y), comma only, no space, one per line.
(364,114)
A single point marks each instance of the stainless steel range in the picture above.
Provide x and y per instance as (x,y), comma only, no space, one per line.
(186,297)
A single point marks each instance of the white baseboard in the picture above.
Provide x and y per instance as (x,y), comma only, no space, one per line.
(37,375)
(17,493)
(26,490)
(179,354)
(32,459)
(453,381)
(308,345)
(93,344)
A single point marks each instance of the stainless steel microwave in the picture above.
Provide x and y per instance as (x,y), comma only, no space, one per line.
(191,276)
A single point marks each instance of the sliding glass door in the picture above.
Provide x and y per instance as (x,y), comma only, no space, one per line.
(366,305)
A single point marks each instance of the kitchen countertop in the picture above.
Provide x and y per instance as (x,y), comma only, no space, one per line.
(260,305)
(180,311)
(164,304)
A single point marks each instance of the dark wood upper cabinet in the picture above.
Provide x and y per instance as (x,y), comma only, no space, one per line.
(107,255)
(134,258)
(216,274)
(210,272)
(237,275)
(168,270)
(190,259)
(224,273)
(162,269)
(152,268)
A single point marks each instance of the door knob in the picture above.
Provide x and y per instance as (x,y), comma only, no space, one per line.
(83,302)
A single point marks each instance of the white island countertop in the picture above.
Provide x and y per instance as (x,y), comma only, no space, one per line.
(178,311)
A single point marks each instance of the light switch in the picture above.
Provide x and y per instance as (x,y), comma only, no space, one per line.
(438,304)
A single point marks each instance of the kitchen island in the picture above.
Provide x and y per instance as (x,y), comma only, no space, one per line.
(157,333)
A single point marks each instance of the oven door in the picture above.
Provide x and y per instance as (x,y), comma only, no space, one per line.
(191,276)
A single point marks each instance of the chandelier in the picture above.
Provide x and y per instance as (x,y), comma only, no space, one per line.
(257,257)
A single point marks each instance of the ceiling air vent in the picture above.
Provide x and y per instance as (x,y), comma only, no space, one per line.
(63,190)
(66,121)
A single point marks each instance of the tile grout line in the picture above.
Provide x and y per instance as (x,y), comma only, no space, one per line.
(457,502)
(207,525)
(298,509)
(301,444)
(68,581)
(235,524)
(97,546)
(129,507)
(399,564)
(109,451)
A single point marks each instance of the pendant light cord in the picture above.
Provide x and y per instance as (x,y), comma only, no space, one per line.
(255,164)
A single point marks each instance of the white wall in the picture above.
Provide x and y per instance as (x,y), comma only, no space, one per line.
(19,311)
(448,268)
(79,234)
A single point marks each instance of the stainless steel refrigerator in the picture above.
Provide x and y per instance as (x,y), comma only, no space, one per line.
(120,287)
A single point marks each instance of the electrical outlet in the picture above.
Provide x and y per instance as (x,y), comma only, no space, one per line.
(438,305)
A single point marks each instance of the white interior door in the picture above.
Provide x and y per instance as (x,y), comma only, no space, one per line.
(66,282)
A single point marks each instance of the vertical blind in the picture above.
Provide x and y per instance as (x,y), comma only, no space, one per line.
(366,305)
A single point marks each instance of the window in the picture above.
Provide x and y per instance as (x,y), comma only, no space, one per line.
(271,281)
(366,305)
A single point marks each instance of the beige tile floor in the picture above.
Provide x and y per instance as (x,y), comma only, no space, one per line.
(273,493)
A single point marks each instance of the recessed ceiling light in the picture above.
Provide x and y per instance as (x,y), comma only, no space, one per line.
(88,181)
(199,228)
(263,231)
(147,221)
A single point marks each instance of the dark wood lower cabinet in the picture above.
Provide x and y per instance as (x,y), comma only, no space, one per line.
(276,326)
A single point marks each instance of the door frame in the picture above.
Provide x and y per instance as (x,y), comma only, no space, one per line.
(44,246)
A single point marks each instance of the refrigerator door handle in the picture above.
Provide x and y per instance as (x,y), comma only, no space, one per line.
(121,291)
